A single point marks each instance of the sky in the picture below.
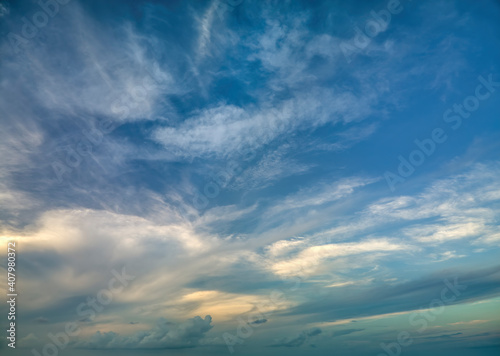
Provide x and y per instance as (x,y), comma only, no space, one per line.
(240,177)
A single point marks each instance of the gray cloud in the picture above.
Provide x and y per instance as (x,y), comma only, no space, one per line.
(165,335)
(297,340)
(412,295)
(443,336)
(345,332)
(260,321)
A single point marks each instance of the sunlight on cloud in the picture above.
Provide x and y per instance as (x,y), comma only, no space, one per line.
(439,233)
(309,259)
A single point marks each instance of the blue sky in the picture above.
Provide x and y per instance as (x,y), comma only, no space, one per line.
(274,176)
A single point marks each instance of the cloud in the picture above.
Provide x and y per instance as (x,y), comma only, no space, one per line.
(188,99)
(205,26)
(342,284)
(459,207)
(440,233)
(224,130)
(72,252)
(282,247)
(272,167)
(444,256)
(489,239)
(471,322)
(95,75)
(283,51)
(298,340)
(322,194)
(346,139)
(308,259)
(345,332)
(165,335)
(384,298)
(76,72)
(443,336)
(4,9)
(259,321)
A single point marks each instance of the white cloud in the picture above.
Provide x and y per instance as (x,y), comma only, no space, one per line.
(322,194)
(205,29)
(489,238)
(4,10)
(472,322)
(279,248)
(285,50)
(447,232)
(225,130)
(307,261)
(89,244)
(87,69)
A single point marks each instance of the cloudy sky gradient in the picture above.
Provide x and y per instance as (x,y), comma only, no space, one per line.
(267,177)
